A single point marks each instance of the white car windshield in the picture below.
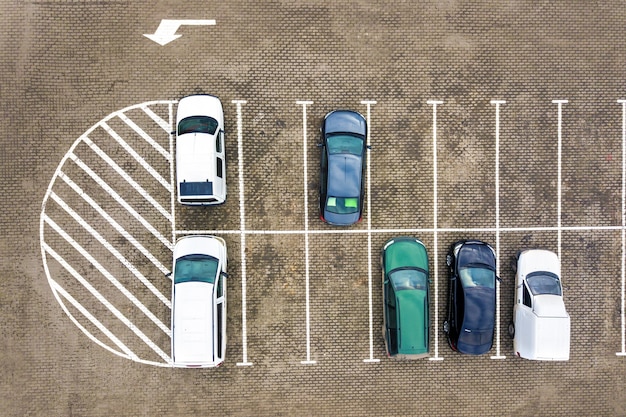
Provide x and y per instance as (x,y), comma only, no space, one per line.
(201,268)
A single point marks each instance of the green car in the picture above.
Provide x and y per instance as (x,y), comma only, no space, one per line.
(405,298)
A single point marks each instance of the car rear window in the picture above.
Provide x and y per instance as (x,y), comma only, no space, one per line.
(198,124)
(202,268)
(342,205)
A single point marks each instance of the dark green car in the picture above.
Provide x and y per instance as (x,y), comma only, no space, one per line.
(405,298)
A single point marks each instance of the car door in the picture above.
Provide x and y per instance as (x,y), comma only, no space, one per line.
(391,320)
(323,178)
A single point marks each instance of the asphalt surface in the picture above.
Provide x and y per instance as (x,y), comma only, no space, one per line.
(86,103)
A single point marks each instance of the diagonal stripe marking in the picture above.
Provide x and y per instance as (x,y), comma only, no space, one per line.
(157,119)
(128,178)
(144,135)
(117,254)
(134,154)
(120,200)
(105,302)
(107,275)
(113,223)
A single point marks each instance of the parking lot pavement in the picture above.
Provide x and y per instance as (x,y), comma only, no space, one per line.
(89,217)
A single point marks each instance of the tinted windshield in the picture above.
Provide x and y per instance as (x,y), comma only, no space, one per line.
(199,124)
(477,277)
(342,205)
(543,283)
(344,144)
(201,268)
(408,279)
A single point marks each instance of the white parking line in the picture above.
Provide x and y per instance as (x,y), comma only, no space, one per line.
(172,183)
(559,103)
(308,360)
(120,200)
(242,227)
(371,359)
(435,103)
(497,104)
(104,301)
(623,307)
(157,119)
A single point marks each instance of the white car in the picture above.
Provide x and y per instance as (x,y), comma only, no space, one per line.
(199,302)
(200,158)
(541,325)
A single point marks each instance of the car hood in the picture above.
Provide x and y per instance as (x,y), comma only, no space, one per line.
(200,105)
(476,332)
(405,252)
(345,121)
(475,253)
(538,260)
(194,160)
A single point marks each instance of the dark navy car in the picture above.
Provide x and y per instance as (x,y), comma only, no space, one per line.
(472,297)
(342,167)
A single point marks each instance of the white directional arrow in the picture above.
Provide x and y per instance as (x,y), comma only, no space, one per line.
(166,32)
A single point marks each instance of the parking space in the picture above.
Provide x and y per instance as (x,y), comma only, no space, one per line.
(501,122)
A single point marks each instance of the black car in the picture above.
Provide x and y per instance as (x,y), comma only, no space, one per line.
(472,297)
(344,134)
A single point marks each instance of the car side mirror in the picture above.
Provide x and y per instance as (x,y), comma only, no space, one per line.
(169,274)
(173,132)
(369,147)
(498,278)
(224,274)
(319,145)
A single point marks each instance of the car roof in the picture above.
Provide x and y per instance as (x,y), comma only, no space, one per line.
(405,252)
(344,175)
(413,321)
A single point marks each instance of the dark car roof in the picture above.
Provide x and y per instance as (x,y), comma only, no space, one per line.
(346,121)
(344,175)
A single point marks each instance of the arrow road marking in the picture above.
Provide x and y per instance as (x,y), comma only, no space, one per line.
(166,32)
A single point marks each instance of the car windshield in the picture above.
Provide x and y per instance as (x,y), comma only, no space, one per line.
(344,144)
(543,283)
(408,279)
(342,205)
(201,268)
(199,124)
(477,277)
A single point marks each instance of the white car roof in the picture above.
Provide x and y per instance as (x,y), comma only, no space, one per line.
(192,337)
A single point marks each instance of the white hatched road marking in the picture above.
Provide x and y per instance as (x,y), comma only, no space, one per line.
(115,345)
(113,223)
(623,306)
(135,155)
(144,135)
(117,255)
(104,301)
(106,273)
(128,178)
(60,290)
(120,200)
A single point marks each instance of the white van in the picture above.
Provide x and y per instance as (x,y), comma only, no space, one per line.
(199,302)
(200,157)
(541,325)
